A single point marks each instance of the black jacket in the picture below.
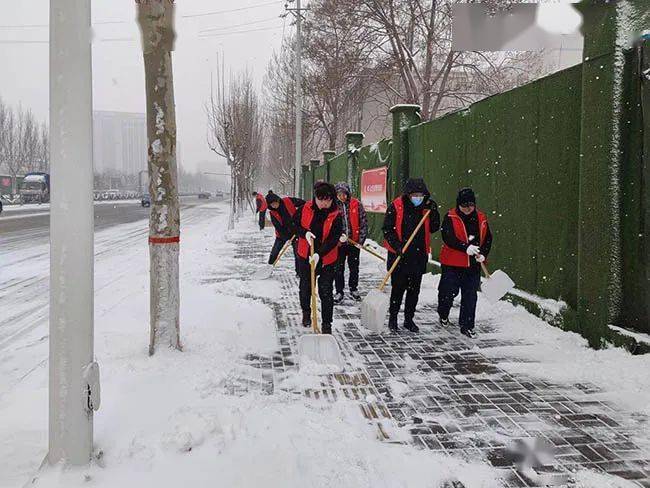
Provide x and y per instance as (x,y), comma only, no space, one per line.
(471,225)
(317,228)
(416,257)
(286,229)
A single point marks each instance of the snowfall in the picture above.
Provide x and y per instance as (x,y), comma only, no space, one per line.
(168,420)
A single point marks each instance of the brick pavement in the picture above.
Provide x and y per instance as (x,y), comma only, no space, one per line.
(448,395)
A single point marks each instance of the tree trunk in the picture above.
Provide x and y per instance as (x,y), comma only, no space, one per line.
(156,19)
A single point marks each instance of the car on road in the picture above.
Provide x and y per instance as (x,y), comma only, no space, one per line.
(145,201)
(204,195)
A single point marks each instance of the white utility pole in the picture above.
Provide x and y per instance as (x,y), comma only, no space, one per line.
(298,95)
(74,377)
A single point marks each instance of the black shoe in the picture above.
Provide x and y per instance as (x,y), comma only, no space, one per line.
(326,329)
(392,323)
(306,319)
(338,297)
(468,332)
(410,325)
(355,295)
(443,322)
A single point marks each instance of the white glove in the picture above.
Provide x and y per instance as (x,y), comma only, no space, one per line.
(310,237)
(472,250)
(314,259)
(479,258)
(343,239)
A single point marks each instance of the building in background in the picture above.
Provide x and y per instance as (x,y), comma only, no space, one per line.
(119,143)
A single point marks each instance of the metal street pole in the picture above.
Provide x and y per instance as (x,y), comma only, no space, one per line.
(73,376)
(298,91)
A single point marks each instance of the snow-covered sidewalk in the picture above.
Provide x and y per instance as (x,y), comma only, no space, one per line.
(426,410)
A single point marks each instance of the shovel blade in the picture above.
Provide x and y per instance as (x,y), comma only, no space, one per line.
(373,311)
(496,286)
(263,273)
(319,350)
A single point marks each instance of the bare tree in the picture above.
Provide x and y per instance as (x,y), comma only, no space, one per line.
(279,96)
(9,144)
(156,20)
(235,131)
(338,52)
(414,37)
(27,141)
(43,149)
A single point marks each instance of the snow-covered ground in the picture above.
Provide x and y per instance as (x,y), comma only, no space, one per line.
(169,420)
(166,420)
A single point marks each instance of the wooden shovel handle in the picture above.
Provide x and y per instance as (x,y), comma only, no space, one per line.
(404,249)
(314,303)
(485,270)
(367,249)
(284,249)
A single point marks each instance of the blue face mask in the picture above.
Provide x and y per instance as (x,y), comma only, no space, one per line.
(417,201)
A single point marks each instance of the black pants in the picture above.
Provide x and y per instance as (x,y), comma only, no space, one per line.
(404,282)
(325,275)
(277,247)
(453,280)
(262,220)
(351,254)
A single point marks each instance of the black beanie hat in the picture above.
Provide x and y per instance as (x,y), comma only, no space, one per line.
(465,195)
(323,189)
(272,197)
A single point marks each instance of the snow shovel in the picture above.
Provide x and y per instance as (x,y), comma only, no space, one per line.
(375,306)
(267,271)
(318,348)
(496,285)
(367,249)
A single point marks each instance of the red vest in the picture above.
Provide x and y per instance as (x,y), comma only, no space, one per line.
(398,203)
(454,257)
(291,208)
(305,222)
(355,221)
(262,202)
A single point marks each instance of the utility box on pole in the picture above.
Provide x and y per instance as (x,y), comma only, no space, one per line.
(74,376)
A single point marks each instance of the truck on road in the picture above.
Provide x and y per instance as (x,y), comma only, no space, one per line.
(35,188)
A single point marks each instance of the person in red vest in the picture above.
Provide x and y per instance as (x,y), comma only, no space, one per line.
(260,208)
(402,217)
(282,211)
(319,221)
(355,226)
(467,242)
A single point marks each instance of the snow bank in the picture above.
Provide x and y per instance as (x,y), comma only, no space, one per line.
(271,442)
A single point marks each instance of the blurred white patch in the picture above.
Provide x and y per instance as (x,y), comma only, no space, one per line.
(558,18)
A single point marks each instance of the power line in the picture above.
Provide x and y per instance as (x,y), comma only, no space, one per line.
(220,34)
(238,25)
(39,26)
(231,10)
(24,42)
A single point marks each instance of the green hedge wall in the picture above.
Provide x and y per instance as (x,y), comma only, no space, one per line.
(520,152)
(320,173)
(339,168)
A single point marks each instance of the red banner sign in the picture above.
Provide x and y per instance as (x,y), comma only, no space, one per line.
(373,189)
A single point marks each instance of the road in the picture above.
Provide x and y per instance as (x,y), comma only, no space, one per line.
(121,233)
(30,225)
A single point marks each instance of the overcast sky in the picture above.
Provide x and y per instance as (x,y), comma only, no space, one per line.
(118,74)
